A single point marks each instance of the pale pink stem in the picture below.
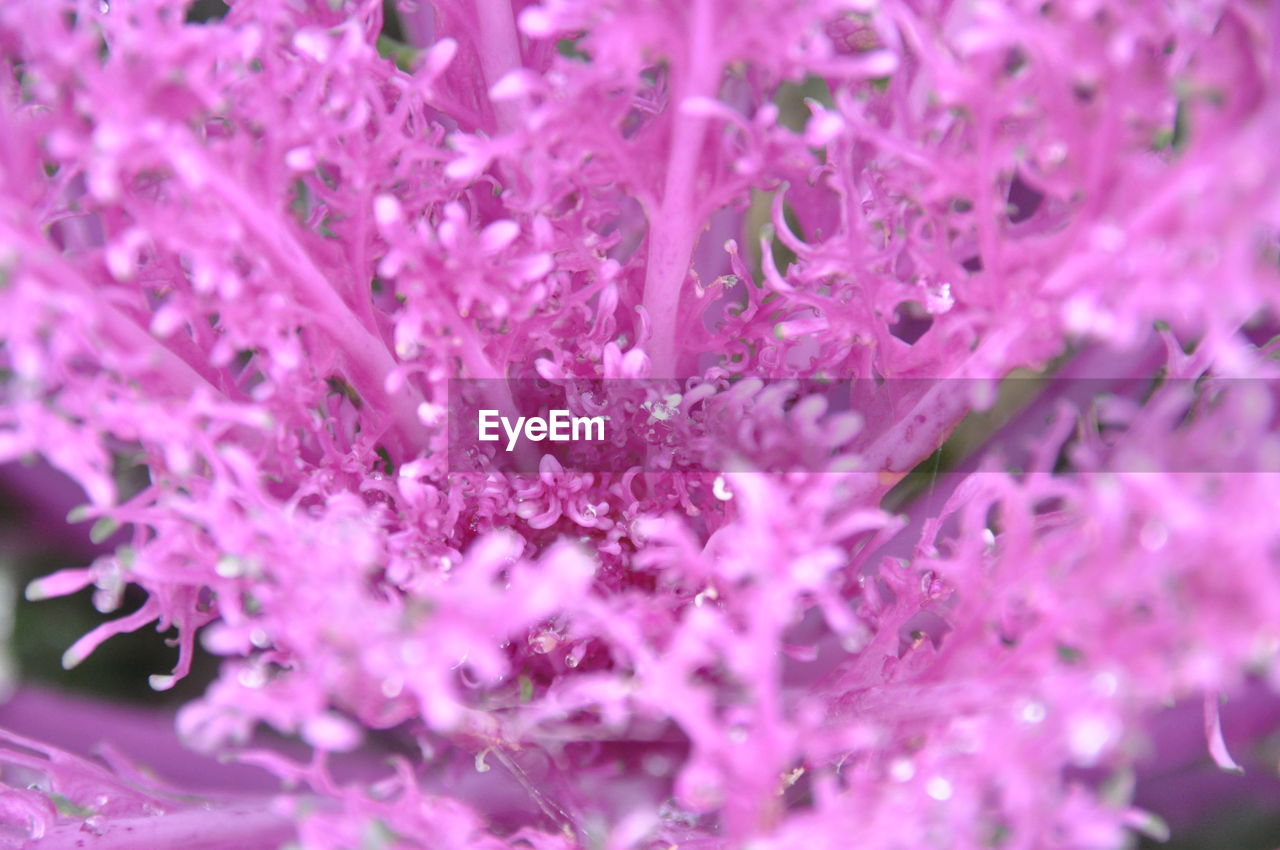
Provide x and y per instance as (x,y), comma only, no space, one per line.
(367,359)
(419,24)
(171,372)
(499,47)
(674,225)
(243,826)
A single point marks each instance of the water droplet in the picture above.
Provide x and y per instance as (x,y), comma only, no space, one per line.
(939,300)
(938,788)
(229,566)
(902,770)
(1106,684)
(252,677)
(106,601)
(720,489)
(657,765)
(1089,737)
(1153,536)
(543,643)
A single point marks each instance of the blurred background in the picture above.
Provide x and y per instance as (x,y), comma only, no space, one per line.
(106,701)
